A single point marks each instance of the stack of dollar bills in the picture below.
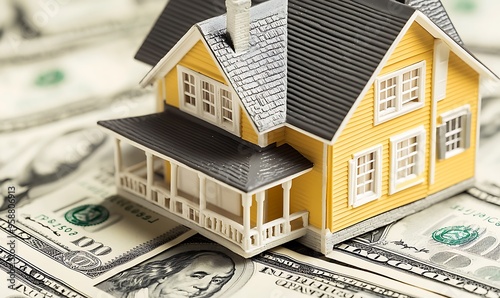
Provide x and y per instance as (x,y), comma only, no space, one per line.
(70,235)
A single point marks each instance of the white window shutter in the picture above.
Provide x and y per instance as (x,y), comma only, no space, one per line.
(467,130)
(441,141)
(441,57)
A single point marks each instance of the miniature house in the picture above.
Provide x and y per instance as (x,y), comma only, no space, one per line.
(302,118)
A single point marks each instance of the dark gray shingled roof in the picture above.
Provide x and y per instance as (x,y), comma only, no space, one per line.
(436,12)
(203,148)
(174,21)
(306,69)
(257,75)
(334,47)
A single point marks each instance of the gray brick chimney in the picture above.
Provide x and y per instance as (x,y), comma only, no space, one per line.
(238,24)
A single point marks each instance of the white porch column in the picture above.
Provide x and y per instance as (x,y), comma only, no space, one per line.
(203,200)
(246,201)
(149,176)
(286,204)
(173,185)
(118,161)
(261,196)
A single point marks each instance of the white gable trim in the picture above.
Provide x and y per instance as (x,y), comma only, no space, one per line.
(435,31)
(170,60)
(233,91)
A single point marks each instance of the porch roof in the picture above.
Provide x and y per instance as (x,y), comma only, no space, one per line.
(203,148)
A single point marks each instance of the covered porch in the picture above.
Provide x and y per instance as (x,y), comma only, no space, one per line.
(210,182)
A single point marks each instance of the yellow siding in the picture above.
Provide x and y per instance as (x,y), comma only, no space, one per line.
(172,89)
(167,172)
(248,133)
(274,203)
(360,134)
(276,136)
(306,192)
(462,88)
(199,60)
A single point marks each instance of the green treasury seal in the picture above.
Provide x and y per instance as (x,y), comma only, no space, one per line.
(455,235)
(87,215)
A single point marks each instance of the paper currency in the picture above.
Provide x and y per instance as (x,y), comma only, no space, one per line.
(20,278)
(38,28)
(23,274)
(198,268)
(55,163)
(452,248)
(488,161)
(87,229)
(476,21)
(69,84)
(56,16)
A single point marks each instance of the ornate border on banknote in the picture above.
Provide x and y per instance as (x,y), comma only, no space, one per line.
(29,276)
(365,249)
(59,255)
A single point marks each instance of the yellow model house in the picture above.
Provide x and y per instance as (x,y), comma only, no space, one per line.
(304,118)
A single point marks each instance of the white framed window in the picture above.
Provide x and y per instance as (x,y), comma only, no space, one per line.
(207,99)
(407,159)
(189,91)
(365,171)
(454,133)
(227,107)
(399,92)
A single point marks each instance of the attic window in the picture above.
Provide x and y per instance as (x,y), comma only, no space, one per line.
(399,92)
(207,99)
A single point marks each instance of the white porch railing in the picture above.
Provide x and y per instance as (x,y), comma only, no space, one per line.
(280,227)
(134,180)
(133,183)
(225,227)
(210,220)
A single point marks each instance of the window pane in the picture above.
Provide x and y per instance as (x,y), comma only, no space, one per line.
(227,106)
(365,174)
(387,95)
(410,86)
(208,97)
(454,135)
(400,92)
(406,158)
(189,89)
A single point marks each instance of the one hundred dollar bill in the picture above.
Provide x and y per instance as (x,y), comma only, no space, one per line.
(20,278)
(37,28)
(452,248)
(87,229)
(56,16)
(69,83)
(205,269)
